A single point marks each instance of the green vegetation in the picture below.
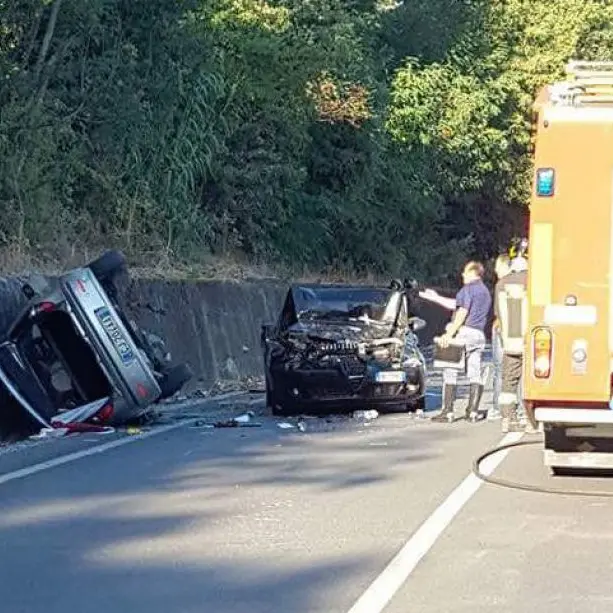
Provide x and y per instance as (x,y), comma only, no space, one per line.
(319,135)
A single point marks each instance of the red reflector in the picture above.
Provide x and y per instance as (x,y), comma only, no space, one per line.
(46,307)
(542,352)
(81,286)
(141,390)
(105,413)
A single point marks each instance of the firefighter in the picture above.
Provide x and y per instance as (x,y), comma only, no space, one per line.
(502,268)
(510,309)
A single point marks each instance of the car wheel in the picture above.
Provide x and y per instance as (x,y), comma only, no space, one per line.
(174,379)
(276,406)
(272,401)
(108,265)
(278,410)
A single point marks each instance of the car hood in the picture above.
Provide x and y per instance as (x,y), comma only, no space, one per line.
(341,331)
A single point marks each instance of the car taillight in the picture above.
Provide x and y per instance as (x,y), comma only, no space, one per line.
(141,390)
(105,413)
(43,307)
(542,341)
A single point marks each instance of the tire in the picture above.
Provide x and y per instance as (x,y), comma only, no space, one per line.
(108,265)
(279,411)
(174,379)
(272,402)
(276,408)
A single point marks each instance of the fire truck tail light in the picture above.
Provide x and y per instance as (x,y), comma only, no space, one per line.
(542,345)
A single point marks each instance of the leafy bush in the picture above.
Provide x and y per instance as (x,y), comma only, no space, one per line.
(371,137)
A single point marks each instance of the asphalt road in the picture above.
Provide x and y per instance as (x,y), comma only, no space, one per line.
(265,520)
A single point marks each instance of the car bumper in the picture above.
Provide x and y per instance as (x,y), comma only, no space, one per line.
(331,389)
(574,415)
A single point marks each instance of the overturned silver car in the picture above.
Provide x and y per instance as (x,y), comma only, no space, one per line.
(72,346)
(338,348)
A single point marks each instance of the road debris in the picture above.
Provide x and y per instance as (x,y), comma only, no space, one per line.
(366,415)
(238,384)
(46,433)
(232,423)
(202,424)
(88,418)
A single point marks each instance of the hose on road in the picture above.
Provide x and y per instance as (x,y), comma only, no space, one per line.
(517,485)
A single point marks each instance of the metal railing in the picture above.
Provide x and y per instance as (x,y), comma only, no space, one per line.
(588,83)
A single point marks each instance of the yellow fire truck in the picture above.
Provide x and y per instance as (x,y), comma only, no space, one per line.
(569,335)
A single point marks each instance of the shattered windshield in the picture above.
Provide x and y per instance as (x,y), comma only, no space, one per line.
(348,304)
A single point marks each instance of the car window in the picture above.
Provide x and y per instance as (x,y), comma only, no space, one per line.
(364,304)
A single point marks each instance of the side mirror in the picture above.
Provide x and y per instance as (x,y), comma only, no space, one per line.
(417,323)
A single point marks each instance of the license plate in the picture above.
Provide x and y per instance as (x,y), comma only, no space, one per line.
(117,337)
(391,376)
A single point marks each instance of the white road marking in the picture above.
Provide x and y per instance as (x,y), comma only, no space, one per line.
(77,455)
(383,588)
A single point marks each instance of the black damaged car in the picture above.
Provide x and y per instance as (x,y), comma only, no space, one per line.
(344,348)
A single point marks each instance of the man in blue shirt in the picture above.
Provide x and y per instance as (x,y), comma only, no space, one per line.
(471,308)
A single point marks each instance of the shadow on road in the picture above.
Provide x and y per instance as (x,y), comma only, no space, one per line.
(202,520)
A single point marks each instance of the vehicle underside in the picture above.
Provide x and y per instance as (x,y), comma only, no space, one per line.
(48,380)
(72,349)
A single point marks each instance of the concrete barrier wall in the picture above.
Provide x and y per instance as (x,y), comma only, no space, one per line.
(215,326)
